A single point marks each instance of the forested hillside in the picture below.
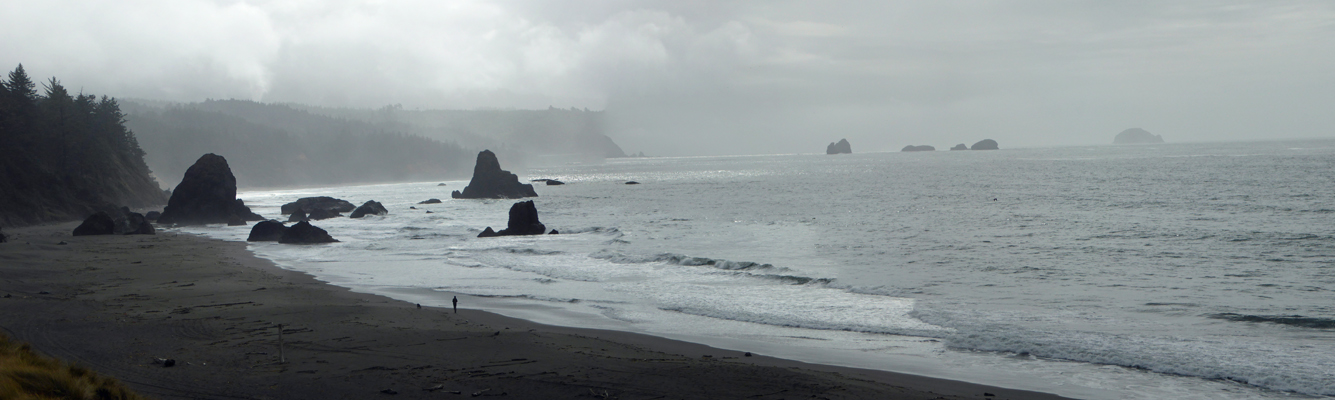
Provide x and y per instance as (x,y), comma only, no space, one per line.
(65,156)
(271,145)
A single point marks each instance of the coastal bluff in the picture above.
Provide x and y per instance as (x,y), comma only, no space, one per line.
(1137,136)
(491,182)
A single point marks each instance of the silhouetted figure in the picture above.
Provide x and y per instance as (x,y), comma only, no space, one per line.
(456,304)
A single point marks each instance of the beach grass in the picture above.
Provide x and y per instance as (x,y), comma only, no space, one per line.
(25,374)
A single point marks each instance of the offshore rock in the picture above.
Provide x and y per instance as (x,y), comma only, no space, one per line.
(985,144)
(523,221)
(960,146)
(309,204)
(1137,136)
(320,213)
(206,195)
(100,223)
(305,233)
(430,201)
(553,182)
(918,148)
(266,231)
(492,182)
(371,207)
(842,147)
(298,216)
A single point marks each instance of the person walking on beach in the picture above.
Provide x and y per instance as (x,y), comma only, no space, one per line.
(456,304)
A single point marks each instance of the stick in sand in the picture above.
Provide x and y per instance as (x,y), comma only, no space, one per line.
(281,358)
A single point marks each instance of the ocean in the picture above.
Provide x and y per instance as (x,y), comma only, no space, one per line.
(1185,271)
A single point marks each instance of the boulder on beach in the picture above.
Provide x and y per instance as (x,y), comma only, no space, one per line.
(1137,136)
(298,216)
(320,213)
(305,233)
(841,147)
(918,148)
(309,204)
(492,182)
(370,207)
(100,223)
(523,221)
(960,146)
(135,224)
(206,195)
(266,231)
(429,201)
(985,144)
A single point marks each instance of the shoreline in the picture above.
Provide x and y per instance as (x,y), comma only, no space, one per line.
(214,307)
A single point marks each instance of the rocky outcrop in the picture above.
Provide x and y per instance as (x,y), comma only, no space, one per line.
(842,147)
(985,144)
(206,195)
(918,148)
(305,233)
(100,223)
(492,182)
(523,221)
(135,224)
(320,213)
(371,207)
(298,217)
(1137,136)
(429,201)
(266,231)
(960,146)
(309,204)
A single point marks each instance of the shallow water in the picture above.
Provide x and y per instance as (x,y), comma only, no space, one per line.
(1165,271)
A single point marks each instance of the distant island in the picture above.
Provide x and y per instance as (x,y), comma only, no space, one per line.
(1137,136)
(842,147)
(918,148)
(985,144)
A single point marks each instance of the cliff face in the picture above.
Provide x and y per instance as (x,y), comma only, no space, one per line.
(1137,136)
(64,157)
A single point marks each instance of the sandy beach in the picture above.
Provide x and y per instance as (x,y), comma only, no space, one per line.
(123,304)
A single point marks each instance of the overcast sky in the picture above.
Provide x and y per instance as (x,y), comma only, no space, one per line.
(711,77)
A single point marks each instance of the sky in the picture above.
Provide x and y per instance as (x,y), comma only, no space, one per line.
(689,77)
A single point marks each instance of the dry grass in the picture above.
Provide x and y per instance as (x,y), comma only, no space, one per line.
(24,374)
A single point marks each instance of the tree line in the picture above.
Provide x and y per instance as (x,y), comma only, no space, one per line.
(64,156)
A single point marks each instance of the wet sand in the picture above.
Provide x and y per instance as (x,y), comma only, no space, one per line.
(121,304)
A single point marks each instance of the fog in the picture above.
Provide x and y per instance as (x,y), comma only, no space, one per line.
(702,78)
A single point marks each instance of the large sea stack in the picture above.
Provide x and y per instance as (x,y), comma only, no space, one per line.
(1137,136)
(491,182)
(842,147)
(523,221)
(206,195)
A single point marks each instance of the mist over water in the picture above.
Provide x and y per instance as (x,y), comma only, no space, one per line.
(1165,271)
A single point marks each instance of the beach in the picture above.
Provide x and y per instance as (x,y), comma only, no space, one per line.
(123,305)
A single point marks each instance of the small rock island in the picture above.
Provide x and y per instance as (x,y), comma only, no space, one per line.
(842,147)
(1137,136)
(492,182)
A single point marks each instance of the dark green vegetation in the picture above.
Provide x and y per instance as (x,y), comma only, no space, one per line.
(63,156)
(294,145)
(24,374)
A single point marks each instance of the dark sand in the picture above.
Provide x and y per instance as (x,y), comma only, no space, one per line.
(117,304)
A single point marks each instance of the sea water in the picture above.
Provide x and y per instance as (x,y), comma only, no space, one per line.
(1154,271)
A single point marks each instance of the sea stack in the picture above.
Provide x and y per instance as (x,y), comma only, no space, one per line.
(842,147)
(985,144)
(206,195)
(523,221)
(492,182)
(1137,136)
